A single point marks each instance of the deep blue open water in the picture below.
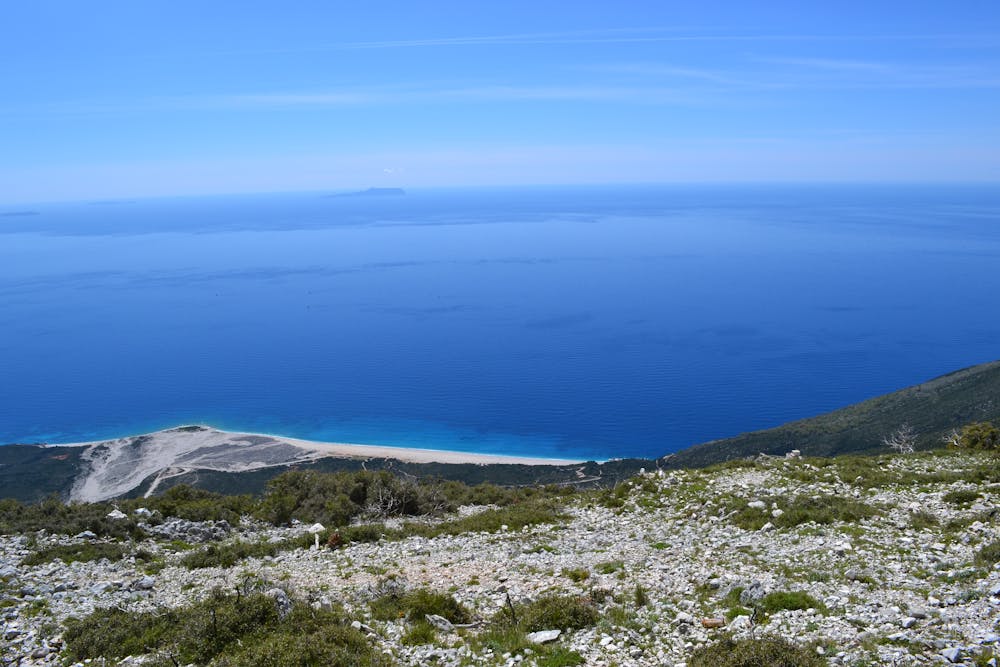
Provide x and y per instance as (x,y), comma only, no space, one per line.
(595,322)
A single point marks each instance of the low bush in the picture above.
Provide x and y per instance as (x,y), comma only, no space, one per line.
(227,555)
(507,630)
(226,631)
(416,604)
(762,652)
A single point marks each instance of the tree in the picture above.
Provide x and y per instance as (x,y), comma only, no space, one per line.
(902,440)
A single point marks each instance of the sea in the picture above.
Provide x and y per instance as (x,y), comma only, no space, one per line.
(569,322)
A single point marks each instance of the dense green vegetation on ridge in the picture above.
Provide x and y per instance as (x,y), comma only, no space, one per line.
(932,409)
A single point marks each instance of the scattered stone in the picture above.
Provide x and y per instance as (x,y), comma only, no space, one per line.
(713,622)
(741,622)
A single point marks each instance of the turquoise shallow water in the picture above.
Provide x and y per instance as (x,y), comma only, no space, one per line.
(594,322)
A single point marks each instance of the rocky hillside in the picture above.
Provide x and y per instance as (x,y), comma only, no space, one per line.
(847,561)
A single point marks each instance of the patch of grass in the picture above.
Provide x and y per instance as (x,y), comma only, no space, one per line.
(564,612)
(558,656)
(762,652)
(789,601)
(576,574)
(419,633)
(610,567)
(922,520)
(515,517)
(641,597)
(507,630)
(989,554)
(801,509)
(84,552)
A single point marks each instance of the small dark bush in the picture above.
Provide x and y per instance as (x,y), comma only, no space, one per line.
(763,652)
(921,519)
(960,497)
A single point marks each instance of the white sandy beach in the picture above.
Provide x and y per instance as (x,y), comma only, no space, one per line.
(349,450)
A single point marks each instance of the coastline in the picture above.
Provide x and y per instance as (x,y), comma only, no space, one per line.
(344,450)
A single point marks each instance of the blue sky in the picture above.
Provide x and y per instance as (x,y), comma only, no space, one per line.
(125,99)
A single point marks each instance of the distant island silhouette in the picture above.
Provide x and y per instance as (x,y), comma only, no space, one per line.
(373,192)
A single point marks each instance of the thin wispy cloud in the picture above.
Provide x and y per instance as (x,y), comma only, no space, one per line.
(832,64)
(629,35)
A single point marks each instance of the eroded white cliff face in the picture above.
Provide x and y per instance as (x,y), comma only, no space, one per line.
(114,467)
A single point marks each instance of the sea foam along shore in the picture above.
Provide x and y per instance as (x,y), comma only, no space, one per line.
(115,467)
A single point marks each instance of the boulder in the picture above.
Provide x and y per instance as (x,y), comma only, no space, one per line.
(953,654)
(440,622)
(544,636)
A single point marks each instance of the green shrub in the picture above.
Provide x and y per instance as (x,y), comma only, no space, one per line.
(763,652)
(55,516)
(193,504)
(84,552)
(576,574)
(979,435)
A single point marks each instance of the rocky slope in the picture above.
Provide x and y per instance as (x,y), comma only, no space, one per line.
(882,561)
